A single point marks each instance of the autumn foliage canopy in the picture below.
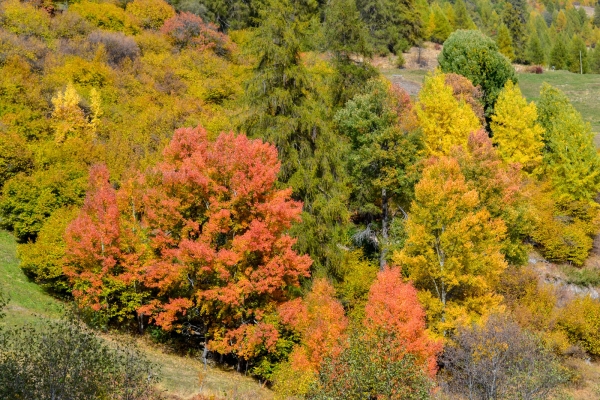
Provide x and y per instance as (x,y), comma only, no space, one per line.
(202,234)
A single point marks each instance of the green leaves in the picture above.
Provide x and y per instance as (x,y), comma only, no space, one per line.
(476,57)
(571,161)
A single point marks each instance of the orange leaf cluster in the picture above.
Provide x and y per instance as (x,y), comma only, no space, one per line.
(394,311)
(208,227)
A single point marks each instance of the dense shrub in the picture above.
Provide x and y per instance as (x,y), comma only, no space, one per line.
(476,57)
(580,320)
(499,361)
(106,16)
(366,371)
(117,45)
(63,360)
(187,29)
(27,201)
(69,25)
(43,259)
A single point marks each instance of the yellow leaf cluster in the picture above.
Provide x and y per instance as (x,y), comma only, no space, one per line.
(452,253)
(446,122)
(68,119)
(516,132)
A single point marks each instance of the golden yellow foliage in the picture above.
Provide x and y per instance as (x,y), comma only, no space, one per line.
(67,117)
(151,13)
(516,132)
(445,121)
(452,253)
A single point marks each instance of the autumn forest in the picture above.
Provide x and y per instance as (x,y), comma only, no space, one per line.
(238,182)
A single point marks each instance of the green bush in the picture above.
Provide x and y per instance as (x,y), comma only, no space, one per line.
(63,360)
(582,276)
(476,57)
(43,259)
(361,372)
(27,201)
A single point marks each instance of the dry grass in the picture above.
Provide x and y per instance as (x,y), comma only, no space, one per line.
(587,381)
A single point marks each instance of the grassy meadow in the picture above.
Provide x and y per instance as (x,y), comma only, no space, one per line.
(583,90)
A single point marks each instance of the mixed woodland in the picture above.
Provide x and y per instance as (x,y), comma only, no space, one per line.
(234,178)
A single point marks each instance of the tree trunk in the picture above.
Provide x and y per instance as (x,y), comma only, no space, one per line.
(385,214)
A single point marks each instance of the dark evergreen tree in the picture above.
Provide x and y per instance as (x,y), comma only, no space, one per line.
(348,40)
(286,107)
(596,20)
(595,59)
(392,24)
(516,26)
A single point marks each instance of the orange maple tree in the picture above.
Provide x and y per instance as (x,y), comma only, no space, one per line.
(394,312)
(211,226)
(320,321)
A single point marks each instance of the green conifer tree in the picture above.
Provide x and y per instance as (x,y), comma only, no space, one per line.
(595,59)
(441,27)
(596,20)
(516,27)
(559,54)
(535,52)
(393,24)
(577,59)
(462,19)
(286,108)
(504,41)
(347,39)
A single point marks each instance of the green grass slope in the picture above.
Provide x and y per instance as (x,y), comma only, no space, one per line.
(182,377)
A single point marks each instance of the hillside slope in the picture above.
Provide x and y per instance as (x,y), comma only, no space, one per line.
(180,375)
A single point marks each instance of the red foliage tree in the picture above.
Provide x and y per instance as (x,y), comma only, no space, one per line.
(394,312)
(102,266)
(320,321)
(186,29)
(208,227)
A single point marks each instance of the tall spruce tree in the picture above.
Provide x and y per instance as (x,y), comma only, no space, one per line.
(393,24)
(348,40)
(559,54)
(513,20)
(596,20)
(535,52)
(462,19)
(595,59)
(286,108)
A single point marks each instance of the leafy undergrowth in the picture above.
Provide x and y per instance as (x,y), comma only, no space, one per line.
(182,377)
